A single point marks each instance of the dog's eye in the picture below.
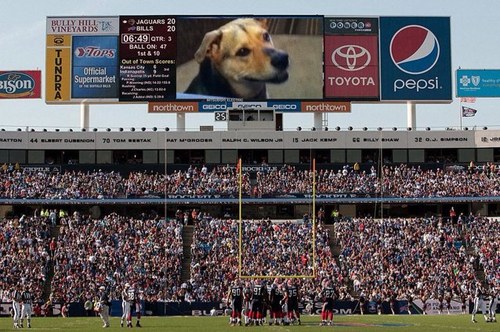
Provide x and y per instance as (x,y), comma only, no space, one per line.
(243,52)
(267,37)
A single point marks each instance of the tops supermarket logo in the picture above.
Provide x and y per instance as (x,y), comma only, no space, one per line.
(414,49)
(94,52)
(16,85)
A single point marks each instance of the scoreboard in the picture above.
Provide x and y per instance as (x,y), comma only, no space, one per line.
(152,58)
(147,58)
(126,58)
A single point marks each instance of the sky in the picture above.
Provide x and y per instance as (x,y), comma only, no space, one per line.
(475,41)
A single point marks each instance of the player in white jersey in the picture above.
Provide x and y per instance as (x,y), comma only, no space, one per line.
(27,305)
(128,296)
(17,299)
(104,306)
(494,298)
(479,304)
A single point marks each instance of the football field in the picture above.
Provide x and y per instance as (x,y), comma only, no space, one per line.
(444,323)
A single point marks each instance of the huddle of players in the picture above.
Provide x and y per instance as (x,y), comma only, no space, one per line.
(22,303)
(280,298)
(254,300)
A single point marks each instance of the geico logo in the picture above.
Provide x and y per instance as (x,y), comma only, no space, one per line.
(247,106)
(214,107)
(422,84)
(285,107)
(354,81)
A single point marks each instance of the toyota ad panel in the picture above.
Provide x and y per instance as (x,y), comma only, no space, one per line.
(351,58)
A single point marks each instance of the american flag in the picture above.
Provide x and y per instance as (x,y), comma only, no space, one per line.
(468,112)
(468,99)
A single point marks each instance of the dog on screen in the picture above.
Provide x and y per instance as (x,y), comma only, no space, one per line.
(237,60)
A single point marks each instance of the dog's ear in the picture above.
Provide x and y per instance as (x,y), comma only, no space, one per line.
(212,37)
(264,22)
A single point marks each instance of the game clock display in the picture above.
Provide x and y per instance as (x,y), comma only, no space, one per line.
(147,58)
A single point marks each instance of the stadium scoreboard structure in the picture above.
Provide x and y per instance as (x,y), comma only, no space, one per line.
(151,59)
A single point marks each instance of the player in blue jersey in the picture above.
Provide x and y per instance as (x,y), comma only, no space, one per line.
(329,294)
(235,301)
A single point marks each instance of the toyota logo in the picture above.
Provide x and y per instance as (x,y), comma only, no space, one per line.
(351,57)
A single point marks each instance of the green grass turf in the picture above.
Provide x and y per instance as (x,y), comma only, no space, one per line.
(387,323)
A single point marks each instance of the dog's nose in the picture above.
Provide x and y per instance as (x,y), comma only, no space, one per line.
(279,59)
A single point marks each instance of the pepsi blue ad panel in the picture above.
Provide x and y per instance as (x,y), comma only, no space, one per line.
(95,67)
(478,83)
(249,58)
(415,59)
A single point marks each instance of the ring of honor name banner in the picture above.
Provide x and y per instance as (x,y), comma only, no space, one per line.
(147,58)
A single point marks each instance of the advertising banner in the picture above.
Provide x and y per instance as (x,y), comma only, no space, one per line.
(326,106)
(351,25)
(58,69)
(478,83)
(20,84)
(351,58)
(94,64)
(81,59)
(173,107)
(415,59)
(351,67)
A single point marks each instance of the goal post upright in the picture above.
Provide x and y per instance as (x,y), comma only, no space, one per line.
(240,221)
(314,216)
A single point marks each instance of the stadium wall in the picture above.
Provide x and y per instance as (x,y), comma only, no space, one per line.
(204,308)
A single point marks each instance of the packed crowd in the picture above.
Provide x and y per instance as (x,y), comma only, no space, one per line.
(276,249)
(401,256)
(405,181)
(215,262)
(24,254)
(392,181)
(221,180)
(115,250)
(288,179)
(424,257)
(485,240)
(19,183)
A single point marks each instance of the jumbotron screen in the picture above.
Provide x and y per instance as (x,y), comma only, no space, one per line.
(160,58)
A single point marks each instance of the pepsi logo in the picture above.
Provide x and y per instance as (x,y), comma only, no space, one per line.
(351,57)
(414,49)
